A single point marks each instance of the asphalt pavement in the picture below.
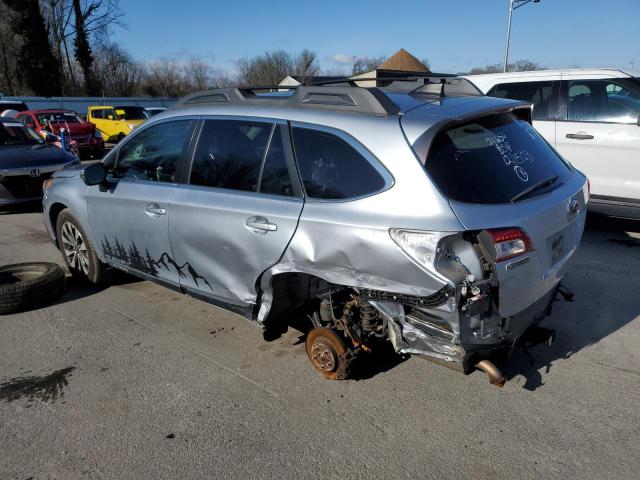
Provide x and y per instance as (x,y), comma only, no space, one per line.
(134,381)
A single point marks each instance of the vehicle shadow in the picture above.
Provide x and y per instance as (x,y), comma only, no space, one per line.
(34,206)
(604,277)
(77,289)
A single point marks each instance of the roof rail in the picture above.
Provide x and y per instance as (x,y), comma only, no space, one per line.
(383,79)
(449,85)
(442,84)
(370,101)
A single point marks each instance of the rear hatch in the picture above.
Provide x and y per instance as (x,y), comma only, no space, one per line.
(499,173)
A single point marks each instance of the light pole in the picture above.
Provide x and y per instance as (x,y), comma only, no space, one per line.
(513,5)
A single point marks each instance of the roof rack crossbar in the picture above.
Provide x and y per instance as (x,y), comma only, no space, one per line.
(338,98)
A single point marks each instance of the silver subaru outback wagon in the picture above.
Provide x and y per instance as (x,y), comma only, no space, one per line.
(421,215)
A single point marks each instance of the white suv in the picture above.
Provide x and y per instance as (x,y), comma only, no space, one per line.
(592,117)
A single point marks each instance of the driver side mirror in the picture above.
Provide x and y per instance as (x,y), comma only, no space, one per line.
(110,117)
(95,174)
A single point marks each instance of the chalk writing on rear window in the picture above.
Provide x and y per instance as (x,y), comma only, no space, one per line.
(514,159)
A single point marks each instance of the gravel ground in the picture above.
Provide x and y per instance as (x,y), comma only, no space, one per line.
(136,381)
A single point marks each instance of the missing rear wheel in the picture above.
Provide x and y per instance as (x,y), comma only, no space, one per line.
(328,353)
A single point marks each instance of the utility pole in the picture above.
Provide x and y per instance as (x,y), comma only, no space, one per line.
(513,5)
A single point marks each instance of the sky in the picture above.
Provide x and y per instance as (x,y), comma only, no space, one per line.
(454,35)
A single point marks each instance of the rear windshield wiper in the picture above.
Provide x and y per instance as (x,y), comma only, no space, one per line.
(534,187)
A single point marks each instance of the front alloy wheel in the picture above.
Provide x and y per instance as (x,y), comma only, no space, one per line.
(74,248)
(79,255)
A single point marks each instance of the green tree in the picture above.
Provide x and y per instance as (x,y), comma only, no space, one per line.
(37,66)
(83,51)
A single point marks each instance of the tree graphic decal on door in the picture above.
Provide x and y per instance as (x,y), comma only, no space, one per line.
(145,263)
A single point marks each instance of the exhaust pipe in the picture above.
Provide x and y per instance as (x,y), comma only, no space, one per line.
(495,376)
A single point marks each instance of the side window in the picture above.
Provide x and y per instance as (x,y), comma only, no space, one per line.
(331,168)
(275,178)
(154,153)
(538,93)
(230,153)
(96,113)
(603,101)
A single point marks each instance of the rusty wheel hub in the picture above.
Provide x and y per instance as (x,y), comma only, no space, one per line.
(323,358)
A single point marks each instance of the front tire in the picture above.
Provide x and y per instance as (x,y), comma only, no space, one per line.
(78,252)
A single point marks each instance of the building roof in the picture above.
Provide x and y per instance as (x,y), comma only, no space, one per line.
(404,61)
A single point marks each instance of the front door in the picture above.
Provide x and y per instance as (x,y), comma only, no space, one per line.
(601,134)
(130,218)
(235,217)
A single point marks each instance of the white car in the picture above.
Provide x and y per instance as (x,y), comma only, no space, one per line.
(592,118)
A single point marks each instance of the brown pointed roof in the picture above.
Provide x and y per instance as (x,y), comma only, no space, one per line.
(404,61)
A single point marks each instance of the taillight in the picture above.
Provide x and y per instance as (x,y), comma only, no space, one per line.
(588,191)
(510,242)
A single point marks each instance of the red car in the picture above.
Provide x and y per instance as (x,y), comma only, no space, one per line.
(85,134)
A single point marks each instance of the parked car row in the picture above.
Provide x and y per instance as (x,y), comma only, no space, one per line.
(86,133)
(36,143)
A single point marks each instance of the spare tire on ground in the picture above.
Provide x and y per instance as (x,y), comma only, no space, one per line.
(25,286)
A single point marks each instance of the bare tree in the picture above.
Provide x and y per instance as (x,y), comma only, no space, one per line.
(517,66)
(197,74)
(366,64)
(164,78)
(306,65)
(120,75)
(271,68)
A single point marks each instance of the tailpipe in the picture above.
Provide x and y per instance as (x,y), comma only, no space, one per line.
(495,375)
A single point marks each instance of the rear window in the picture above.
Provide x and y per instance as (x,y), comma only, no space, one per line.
(495,159)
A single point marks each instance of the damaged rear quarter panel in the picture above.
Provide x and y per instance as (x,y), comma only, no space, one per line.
(348,242)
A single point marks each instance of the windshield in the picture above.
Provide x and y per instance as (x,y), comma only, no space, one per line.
(495,159)
(18,134)
(132,113)
(57,117)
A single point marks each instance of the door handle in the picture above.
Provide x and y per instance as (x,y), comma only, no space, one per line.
(260,225)
(580,136)
(154,210)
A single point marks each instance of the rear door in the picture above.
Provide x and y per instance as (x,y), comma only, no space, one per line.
(240,208)
(600,134)
(499,173)
(130,217)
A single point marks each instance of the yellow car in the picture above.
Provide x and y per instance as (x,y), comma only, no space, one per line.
(114,127)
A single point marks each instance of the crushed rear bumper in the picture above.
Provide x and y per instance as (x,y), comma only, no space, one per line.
(463,352)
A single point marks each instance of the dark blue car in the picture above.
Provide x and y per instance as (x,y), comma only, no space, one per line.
(26,160)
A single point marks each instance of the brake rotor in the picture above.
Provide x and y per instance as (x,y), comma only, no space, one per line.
(328,353)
